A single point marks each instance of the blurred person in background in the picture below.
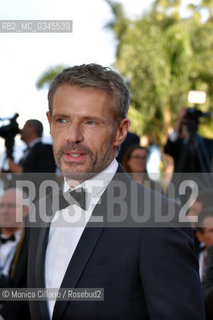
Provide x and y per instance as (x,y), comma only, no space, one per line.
(204,233)
(203,201)
(38,157)
(131,140)
(208,285)
(14,208)
(135,162)
(191,153)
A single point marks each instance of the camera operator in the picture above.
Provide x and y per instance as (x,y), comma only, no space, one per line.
(38,157)
(191,153)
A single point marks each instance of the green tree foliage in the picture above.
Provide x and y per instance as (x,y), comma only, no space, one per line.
(48,75)
(162,56)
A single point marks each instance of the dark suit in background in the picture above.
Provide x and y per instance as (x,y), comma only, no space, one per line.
(38,165)
(208,286)
(11,310)
(188,159)
(39,159)
(131,139)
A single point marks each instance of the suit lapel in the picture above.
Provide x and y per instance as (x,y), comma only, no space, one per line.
(40,257)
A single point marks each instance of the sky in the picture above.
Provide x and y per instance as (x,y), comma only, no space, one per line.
(25,56)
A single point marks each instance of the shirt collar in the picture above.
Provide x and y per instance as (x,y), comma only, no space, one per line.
(97,183)
(17,235)
(33,142)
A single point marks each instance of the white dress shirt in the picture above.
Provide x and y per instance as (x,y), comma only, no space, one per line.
(202,263)
(173,136)
(67,227)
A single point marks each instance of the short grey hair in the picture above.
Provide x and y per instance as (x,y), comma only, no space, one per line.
(37,125)
(99,77)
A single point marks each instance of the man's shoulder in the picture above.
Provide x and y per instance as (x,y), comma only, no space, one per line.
(140,205)
(207,141)
(40,150)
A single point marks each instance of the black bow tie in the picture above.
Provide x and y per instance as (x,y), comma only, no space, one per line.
(4,240)
(27,149)
(77,196)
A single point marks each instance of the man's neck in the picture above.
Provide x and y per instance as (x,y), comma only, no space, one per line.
(33,141)
(74,183)
(138,176)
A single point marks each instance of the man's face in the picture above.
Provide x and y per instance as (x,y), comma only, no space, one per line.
(137,161)
(194,211)
(26,131)
(82,128)
(12,210)
(207,235)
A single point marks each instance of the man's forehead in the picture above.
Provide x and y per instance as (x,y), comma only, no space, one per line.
(75,90)
(27,124)
(208,222)
(69,99)
(11,195)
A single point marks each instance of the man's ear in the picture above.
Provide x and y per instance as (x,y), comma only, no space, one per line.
(121,132)
(199,236)
(49,118)
(25,211)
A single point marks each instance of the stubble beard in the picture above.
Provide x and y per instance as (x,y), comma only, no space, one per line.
(97,162)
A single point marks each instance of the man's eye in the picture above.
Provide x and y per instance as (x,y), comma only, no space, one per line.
(61,120)
(91,122)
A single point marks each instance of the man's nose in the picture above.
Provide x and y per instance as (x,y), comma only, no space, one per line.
(75,133)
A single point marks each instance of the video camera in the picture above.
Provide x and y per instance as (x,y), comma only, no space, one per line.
(195,114)
(192,117)
(8,132)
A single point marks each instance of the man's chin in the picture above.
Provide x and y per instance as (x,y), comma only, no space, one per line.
(78,176)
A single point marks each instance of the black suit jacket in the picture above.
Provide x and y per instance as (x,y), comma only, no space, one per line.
(208,285)
(187,160)
(147,272)
(17,279)
(39,159)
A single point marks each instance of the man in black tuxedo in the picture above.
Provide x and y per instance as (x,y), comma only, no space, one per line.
(13,252)
(208,284)
(191,153)
(38,157)
(112,232)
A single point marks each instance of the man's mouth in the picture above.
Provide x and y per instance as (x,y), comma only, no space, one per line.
(74,155)
(77,155)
